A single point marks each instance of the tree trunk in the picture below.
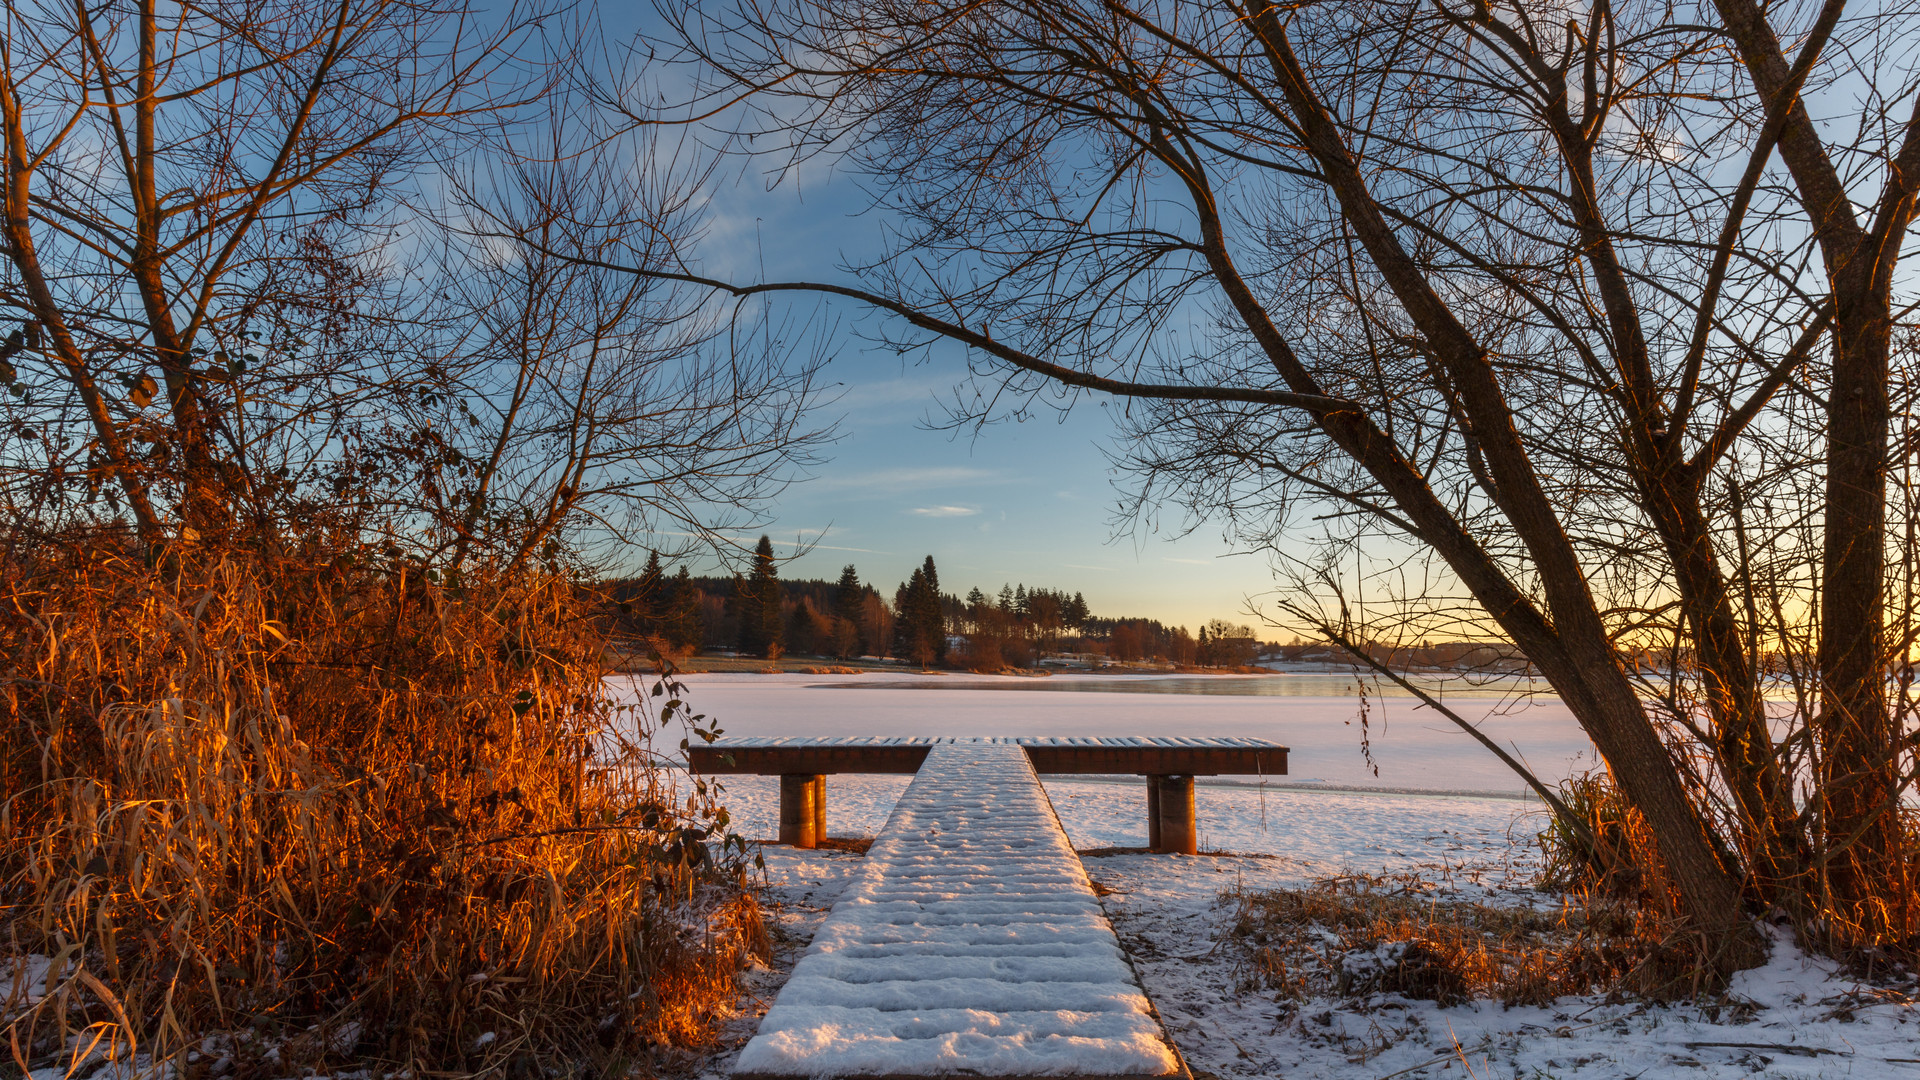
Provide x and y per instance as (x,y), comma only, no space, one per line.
(1865,861)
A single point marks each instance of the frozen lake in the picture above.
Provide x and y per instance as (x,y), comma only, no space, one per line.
(1429,792)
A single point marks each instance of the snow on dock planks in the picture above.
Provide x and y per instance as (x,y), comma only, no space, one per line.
(970,944)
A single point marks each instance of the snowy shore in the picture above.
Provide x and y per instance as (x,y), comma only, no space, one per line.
(1798,1016)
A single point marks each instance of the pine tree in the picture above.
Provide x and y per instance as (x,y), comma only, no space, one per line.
(849,596)
(650,597)
(757,605)
(933,622)
(906,622)
(919,626)
(849,604)
(1076,614)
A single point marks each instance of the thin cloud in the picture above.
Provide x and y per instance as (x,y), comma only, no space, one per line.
(894,481)
(944,511)
(1186,562)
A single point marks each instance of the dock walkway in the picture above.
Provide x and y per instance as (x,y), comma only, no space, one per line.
(969,944)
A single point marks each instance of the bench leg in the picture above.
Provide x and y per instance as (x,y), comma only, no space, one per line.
(1177,830)
(819,809)
(800,809)
(1153,812)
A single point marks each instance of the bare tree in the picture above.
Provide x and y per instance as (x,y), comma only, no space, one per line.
(171,170)
(243,246)
(1558,295)
(608,404)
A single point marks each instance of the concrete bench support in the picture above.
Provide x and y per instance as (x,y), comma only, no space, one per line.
(1170,823)
(803,809)
(1153,812)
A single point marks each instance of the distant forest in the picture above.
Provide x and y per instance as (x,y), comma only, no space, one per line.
(760,614)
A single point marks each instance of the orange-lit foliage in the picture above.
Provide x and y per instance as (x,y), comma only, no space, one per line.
(341,813)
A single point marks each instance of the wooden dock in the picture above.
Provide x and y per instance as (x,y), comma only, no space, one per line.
(1169,764)
(970,944)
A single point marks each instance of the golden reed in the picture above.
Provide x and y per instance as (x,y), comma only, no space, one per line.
(306,810)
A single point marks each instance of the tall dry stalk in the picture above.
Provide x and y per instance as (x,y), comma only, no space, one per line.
(333,812)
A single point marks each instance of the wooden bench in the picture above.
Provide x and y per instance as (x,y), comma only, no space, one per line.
(1169,764)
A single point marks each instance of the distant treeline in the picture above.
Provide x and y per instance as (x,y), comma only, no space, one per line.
(760,614)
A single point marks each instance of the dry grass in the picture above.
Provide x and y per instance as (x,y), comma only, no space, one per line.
(1359,935)
(340,814)
(1616,859)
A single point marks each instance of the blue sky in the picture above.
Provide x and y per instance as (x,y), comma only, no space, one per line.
(1030,502)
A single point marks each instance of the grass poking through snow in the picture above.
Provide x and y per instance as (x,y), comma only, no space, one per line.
(1358,935)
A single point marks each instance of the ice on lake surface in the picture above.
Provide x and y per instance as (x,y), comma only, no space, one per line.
(1289,684)
(1436,793)
(1406,746)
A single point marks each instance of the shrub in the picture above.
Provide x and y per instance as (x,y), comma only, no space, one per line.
(329,809)
(1615,858)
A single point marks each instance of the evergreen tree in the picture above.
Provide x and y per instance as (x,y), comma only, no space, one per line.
(976,607)
(919,628)
(907,644)
(1076,613)
(757,604)
(849,596)
(849,604)
(933,622)
(649,602)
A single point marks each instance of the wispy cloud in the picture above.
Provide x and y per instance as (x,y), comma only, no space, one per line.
(895,481)
(944,511)
(888,394)
(1186,562)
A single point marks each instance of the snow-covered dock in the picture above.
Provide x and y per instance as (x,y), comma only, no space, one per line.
(970,944)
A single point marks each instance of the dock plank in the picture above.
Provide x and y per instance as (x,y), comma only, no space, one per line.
(970,944)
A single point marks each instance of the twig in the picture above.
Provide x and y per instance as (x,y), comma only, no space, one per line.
(1803,1051)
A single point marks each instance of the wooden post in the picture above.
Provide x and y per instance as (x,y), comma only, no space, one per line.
(800,809)
(819,809)
(1153,812)
(1177,831)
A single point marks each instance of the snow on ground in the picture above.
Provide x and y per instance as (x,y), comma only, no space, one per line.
(1170,912)
(1797,1016)
(970,944)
